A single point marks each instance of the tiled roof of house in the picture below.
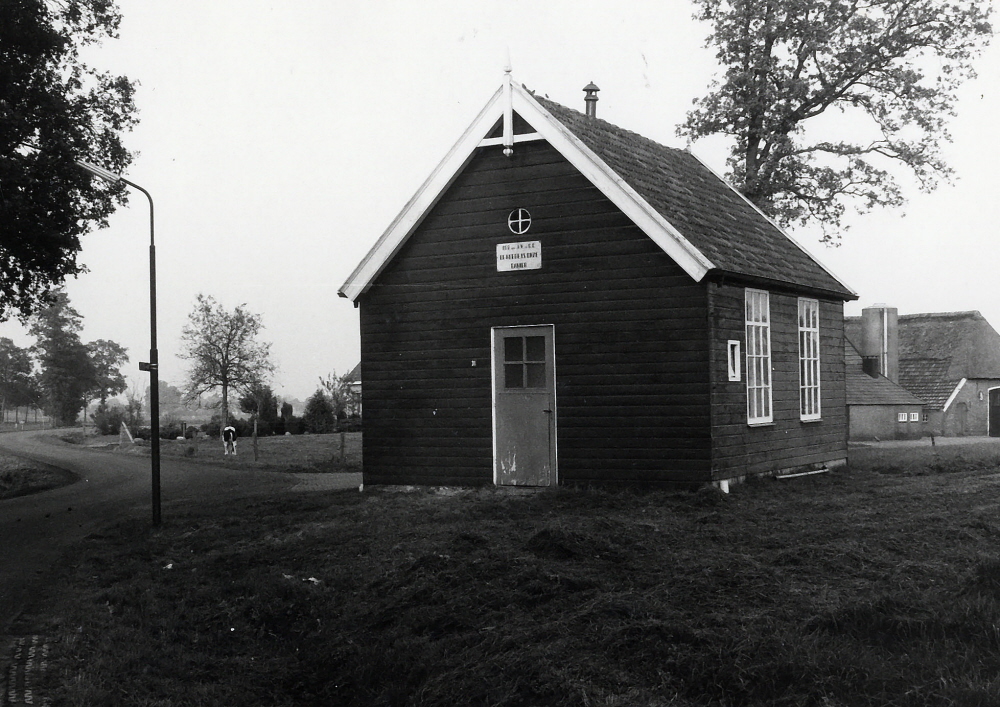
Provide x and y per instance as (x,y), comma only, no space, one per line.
(964,337)
(937,350)
(928,378)
(719,222)
(862,389)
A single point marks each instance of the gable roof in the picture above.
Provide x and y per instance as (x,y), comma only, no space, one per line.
(863,389)
(939,350)
(679,202)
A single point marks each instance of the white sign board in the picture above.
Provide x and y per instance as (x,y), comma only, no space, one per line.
(526,255)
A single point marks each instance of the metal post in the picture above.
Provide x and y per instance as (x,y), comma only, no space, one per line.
(154,375)
(153,366)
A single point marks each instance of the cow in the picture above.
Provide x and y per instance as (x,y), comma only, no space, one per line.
(229,440)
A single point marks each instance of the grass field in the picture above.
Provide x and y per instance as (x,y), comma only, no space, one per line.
(876,585)
(19,477)
(319,453)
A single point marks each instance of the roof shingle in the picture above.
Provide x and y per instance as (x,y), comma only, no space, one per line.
(719,222)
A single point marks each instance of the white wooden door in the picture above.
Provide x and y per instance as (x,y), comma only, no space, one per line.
(524,406)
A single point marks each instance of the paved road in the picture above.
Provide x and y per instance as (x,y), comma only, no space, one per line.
(35,530)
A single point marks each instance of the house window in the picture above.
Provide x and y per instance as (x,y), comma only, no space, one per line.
(901,417)
(809,405)
(734,360)
(914,417)
(758,324)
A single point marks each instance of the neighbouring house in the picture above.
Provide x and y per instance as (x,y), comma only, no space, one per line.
(877,408)
(354,388)
(950,360)
(565,301)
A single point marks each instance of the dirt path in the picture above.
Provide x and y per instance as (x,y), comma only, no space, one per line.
(36,530)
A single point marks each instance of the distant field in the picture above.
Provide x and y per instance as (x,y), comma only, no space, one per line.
(300,453)
(875,585)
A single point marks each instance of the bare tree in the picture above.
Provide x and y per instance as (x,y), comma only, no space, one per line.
(224,350)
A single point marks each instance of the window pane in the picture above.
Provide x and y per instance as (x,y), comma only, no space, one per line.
(513,375)
(513,349)
(536,375)
(535,348)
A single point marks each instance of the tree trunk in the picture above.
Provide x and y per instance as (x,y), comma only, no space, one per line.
(255,455)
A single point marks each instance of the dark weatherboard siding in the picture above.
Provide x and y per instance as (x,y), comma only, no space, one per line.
(788,443)
(631,334)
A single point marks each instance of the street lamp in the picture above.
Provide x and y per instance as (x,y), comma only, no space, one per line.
(153,365)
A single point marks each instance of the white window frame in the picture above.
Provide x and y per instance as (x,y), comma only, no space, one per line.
(733,353)
(810,397)
(901,417)
(760,399)
(914,417)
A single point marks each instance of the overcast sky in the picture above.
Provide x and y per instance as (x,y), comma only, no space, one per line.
(280,139)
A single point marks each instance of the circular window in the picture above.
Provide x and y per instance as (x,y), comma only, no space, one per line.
(519,221)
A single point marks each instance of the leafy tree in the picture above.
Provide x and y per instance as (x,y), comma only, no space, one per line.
(133,409)
(15,375)
(893,66)
(107,358)
(259,401)
(67,374)
(54,110)
(319,416)
(224,350)
(344,399)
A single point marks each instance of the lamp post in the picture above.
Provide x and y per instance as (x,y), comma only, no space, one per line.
(153,366)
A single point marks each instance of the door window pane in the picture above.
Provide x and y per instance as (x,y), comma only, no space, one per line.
(513,349)
(513,375)
(535,348)
(535,375)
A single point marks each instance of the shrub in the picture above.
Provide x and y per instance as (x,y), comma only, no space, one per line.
(295,425)
(109,419)
(351,424)
(319,416)
(244,428)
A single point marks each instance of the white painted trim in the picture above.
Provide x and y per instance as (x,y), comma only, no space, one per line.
(769,418)
(954,394)
(773,223)
(612,185)
(733,360)
(989,410)
(420,204)
(508,113)
(493,399)
(521,137)
(818,415)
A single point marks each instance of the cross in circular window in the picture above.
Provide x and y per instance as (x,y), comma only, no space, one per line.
(519,221)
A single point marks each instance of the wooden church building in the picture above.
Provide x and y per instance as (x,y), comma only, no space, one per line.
(564,301)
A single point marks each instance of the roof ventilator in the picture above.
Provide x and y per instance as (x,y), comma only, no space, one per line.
(591,99)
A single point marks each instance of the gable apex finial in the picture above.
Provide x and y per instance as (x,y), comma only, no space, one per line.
(508,110)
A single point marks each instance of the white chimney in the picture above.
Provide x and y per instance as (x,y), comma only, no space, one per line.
(880,338)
